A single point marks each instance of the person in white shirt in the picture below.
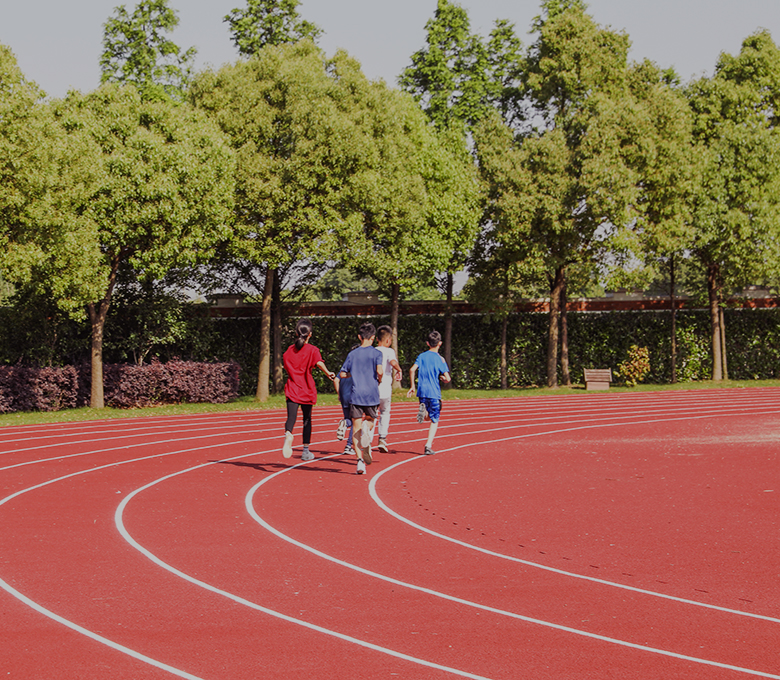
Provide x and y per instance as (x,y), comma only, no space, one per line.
(392,370)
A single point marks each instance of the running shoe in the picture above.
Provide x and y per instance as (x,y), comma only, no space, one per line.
(429,451)
(361,467)
(422,413)
(383,446)
(341,429)
(307,455)
(287,448)
(348,450)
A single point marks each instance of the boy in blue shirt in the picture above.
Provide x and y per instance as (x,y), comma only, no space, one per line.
(432,368)
(364,365)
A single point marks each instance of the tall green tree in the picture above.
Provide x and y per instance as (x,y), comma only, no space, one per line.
(24,141)
(268,22)
(419,198)
(652,247)
(298,143)
(561,183)
(136,50)
(143,184)
(455,79)
(736,205)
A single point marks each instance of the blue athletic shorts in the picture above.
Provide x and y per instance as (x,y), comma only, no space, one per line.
(433,406)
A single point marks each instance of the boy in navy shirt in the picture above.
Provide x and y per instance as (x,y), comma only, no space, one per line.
(432,368)
(364,366)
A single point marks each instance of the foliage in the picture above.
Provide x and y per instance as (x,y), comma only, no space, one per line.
(456,78)
(268,22)
(636,367)
(138,182)
(175,382)
(135,50)
(24,388)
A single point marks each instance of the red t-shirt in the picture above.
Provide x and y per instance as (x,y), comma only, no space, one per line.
(298,363)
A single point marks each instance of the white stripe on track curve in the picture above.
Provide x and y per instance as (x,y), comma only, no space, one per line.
(374,494)
(476,605)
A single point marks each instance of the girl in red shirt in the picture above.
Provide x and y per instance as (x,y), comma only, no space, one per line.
(300,390)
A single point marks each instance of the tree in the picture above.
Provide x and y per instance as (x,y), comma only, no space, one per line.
(26,146)
(135,50)
(736,205)
(147,184)
(268,22)
(560,183)
(420,201)
(456,79)
(298,144)
(652,247)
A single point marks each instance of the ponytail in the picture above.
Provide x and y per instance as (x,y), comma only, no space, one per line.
(302,332)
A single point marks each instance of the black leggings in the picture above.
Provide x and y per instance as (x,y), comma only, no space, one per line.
(292,414)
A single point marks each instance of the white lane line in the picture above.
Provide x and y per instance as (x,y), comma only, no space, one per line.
(95,636)
(476,605)
(70,624)
(119,521)
(139,445)
(419,527)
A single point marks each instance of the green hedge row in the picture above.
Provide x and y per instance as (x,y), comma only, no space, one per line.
(596,340)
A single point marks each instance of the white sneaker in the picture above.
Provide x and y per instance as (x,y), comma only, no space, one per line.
(348,450)
(342,428)
(307,456)
(383,446)
(287,448)
(361,467)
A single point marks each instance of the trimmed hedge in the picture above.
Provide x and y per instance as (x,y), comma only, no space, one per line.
(596,340)
(24,388)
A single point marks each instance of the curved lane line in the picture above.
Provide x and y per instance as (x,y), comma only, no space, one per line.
(592,579)
(118,518)
(70,624)
(476,605)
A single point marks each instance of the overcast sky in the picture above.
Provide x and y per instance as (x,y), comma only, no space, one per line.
(58,42)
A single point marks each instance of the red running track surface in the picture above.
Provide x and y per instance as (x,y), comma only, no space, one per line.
(590,536)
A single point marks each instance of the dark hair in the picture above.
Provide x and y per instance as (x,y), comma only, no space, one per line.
(367,330)
(302,331)
(434,338)
(382,332)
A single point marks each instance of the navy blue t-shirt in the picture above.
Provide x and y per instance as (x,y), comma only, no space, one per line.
(361,364)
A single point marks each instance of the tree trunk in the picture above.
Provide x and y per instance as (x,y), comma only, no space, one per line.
(448,328)
(395,301)
(265,338)
(276,300)
(504,380)
(673,304)
(97,317)
(565,374)
(554,321)
(723,358)
(715,337)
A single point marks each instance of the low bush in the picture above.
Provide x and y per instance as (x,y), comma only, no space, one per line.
(26,388)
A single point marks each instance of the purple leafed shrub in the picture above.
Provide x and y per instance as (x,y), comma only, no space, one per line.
(24,388)
(175,382)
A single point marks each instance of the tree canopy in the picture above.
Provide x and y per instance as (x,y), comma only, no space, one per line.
(136,50)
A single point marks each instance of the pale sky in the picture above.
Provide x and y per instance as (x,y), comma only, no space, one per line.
(58,42)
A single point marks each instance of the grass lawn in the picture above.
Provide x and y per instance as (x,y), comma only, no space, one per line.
(277,401)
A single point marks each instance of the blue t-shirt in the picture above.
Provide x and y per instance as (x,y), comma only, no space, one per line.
(430,365)
(361,364)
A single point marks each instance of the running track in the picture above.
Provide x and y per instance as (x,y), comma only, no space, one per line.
(590,536)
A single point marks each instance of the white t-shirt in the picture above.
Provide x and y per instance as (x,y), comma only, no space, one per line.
(386,386)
